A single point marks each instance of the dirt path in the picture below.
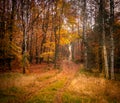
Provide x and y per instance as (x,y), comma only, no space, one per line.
(48,85)
(42,77)
(69,69)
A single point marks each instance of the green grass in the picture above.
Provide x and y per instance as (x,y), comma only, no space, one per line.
(44,78)
(10,75)
(10,95)
(88,73)
(95,73)
(14,93)
(72,97)
(47,94)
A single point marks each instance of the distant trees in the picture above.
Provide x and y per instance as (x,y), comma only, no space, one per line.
(100,35)
(43,30)
(7,19)
(104,35)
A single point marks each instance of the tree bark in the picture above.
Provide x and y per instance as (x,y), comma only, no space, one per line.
(37,60)
(104,39)
(31,45)
(24,5)
(112,39)
(85,36)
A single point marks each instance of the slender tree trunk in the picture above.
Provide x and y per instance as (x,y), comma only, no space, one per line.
(100,57)
(55,28)
(12,19)
(56,48)
(98,22)
(41,47)
(112,38)
(104,39)
(105,53)
(2,34)
(31,43)
(72,49)
(36,49)
(45,24)
(25,25)
(70,52)
(11,24)
(85,36)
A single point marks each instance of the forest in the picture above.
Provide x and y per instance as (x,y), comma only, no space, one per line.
(59,51)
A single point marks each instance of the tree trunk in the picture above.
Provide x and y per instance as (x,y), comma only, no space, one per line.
(100,64)
(56,48)
(105,55)
(104,40)
(37,60)
(12,19)
(112,38)
(25,25)
(70,52)
(85,36)
(31,43)
(41,47)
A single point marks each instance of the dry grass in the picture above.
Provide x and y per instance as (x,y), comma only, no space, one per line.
(17,87)
(8,80)
(65,86)
(104,91)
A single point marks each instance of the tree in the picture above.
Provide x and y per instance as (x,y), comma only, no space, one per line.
(85,35)
(112,38)
(102,4)
(58,9)
(24,17)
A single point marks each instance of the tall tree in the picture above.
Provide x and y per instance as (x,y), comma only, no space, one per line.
(112,38)
(24,14)
(102,7)
(45,24)
(57,21)
(84,34)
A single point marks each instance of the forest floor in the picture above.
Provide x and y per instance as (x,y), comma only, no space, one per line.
(68,84)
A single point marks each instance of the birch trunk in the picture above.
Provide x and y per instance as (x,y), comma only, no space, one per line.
(104,40)
(25,25)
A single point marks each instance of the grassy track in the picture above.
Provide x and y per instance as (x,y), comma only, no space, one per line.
(70,85)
